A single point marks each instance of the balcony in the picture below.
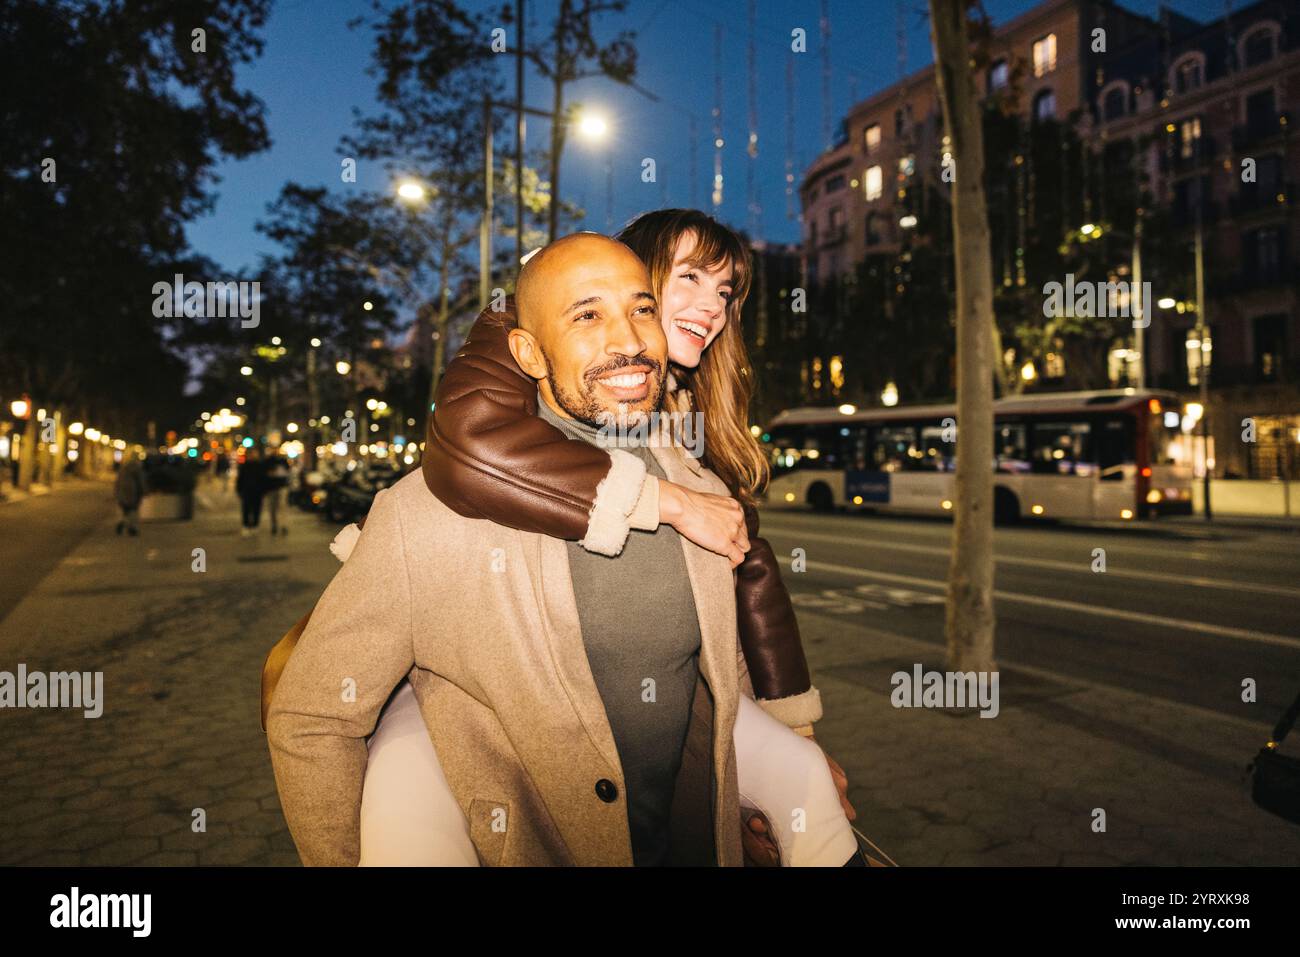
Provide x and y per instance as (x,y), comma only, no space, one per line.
(832,237)
(1257,200)
(1184,217)
(1229,376)
(1175,163)
(1259,131)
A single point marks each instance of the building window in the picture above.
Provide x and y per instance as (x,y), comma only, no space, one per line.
(1045,105)
(872,137)
(835,184)
(998,76)
(1045,55)
(1264,254)
(1257,47)
(835,221)
(1115,103)
(898,122)
(873,183)
(1189,137)
(812,234)
(873,229)
(1187,75)
(1261,113)
(1270,346)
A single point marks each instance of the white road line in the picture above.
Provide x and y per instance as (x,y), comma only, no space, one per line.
(1084,565)
(1129,546)
(1221,631)
(1254,725)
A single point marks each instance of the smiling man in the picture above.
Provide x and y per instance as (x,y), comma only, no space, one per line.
(582,707)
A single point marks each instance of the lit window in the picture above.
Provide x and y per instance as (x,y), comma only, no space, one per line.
(873,184)
(1189,133)
(872,137)
(1045,55)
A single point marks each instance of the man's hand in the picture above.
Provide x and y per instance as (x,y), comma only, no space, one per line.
(715,522)
(756,837)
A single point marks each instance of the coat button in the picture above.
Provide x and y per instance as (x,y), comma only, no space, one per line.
(606,790)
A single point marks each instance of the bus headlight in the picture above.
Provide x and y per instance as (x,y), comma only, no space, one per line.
(789,496)
(1154,496)
(1126,513)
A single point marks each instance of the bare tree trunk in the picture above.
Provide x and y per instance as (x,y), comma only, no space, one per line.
(970,619)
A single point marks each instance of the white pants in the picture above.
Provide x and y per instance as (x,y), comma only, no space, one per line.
(409,817)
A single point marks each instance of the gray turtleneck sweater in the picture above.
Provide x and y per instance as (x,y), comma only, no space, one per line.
(642,636)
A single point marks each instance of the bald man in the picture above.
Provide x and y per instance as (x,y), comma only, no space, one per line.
(581,706)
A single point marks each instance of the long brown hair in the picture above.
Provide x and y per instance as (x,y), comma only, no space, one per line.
(723,383)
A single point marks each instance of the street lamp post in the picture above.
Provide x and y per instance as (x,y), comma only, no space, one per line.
(1202,333)
(591,127)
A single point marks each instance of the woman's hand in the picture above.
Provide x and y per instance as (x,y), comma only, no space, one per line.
(715,522)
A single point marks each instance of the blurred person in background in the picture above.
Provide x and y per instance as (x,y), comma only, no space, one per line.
(277,478)
(129,490)
(250,485)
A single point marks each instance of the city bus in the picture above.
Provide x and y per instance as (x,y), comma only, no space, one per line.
(1100,456)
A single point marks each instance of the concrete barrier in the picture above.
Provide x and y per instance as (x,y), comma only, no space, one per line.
(1270,498)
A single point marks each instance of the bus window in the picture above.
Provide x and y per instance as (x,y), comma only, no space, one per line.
(1061,448)
(1165,432)
(893,448)
(1009,447)
(936,454)
(813,447)
(1115,444)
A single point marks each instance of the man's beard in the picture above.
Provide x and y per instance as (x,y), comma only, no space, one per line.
(586,408)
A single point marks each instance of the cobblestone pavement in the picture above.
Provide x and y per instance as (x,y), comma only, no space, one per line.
(181,652)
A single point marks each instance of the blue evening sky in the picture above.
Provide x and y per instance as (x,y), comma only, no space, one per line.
(312,75)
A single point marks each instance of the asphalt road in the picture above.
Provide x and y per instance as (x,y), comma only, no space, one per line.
(41,530)
(1182,614)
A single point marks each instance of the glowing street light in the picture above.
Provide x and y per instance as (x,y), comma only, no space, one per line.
(1166,302)
(1028,372)
(245,370)
(343,367)
(20,408)
(76,428)
(592,126)
(889,394)
(412,191)
(367,305)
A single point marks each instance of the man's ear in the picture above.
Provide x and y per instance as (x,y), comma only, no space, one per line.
(527,353)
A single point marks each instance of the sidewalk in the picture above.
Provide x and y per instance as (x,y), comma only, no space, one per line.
(181,654)
(936,787)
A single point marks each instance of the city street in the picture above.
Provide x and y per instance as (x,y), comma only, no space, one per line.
(1120,691)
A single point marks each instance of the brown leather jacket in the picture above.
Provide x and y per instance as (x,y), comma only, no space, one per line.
(488,455)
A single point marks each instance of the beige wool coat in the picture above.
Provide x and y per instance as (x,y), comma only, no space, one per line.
(482,619)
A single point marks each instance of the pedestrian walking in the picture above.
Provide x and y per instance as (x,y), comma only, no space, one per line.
(129,490)
(251,487)
(277,478)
